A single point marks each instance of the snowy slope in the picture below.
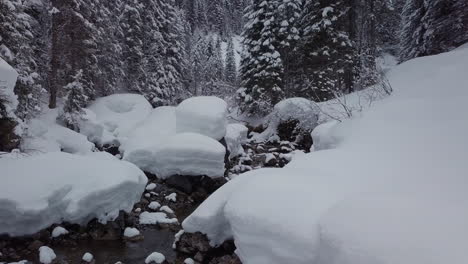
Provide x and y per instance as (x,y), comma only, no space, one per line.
(392,191)
(65,187)
(8,78)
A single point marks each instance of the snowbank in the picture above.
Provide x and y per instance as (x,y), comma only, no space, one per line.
(45,135)
(121,113)
(66,187)
(205,115)
(182,154)
(392,191)
(236,135)
(8,78)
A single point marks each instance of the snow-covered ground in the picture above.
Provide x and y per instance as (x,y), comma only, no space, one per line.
(393,189)
(8,78)
(40,190)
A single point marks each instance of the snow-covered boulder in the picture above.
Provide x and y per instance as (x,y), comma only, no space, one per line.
(96,131)
(236,135)
(187,154)
(8,78)
(205,115)
(121,113)
(45,135)
(65,187)
(150,134)
(296,116)
(329,135)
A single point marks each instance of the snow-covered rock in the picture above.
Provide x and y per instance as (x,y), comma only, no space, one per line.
(155,257)
(87,257)
(183,154)
(236,135)
(166,209)
(121,113)
(392,191)
(95,131)
(151,133)
(302,110)
(147,218)
(130,232)
(151,186)
(171,197)
(59,231)
(71,188)
(45,135)
(205,115)
(46,255)
(328,135)
(154,205)
(8,78)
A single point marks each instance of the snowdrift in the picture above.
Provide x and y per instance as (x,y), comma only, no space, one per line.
(393,190)
(8,78)
(65,187)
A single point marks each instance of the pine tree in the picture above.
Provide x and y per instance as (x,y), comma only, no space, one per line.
(231,68)
(261,66)
(75,101)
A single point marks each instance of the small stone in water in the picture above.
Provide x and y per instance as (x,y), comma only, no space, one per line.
(88,257)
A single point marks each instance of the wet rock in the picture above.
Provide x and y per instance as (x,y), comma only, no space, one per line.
(230,259)
(193,243)
(181,183)
(35,245)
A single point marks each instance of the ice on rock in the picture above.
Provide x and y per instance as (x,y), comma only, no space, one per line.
(379,196)
(59,231)
(46,255)
(236,135)
(8,78)
(71,188)
(130,232)
(121,113)
(204,115)
(87,257)
(147,218)
(183,154)
(155,257)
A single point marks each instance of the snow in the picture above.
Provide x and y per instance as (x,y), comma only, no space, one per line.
(171,197)
(147,218)
(154,205)
(183,154)
(166,209)
(306,112)
(8,78)
(59,231)
(46,255)
(206,115)
(131,232)
(391,190)
(121,113)
(95,131)
(71,188)
(87,257)
(151,133)
(189,261)
(236,135)
(328,135)
(45,135)
(155,257)
(151,186)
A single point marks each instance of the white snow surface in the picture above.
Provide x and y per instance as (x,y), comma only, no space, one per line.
(236,135)
(59,231)
(206,115)
(87,257)
(131,232)
(306,112)
(393,190)
(121,113)
(187,154)
(8,78)
(155,257)
(46,255)
(71,188)
(147,218)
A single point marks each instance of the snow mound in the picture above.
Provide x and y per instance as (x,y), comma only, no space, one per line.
(147,218)
(95,131)
(153,132)
(380,196)
(302,110)
(59,231)
(46,255)
(205,115)
(121,113)
(155,257)
(328,135)
(236,135)
(131,232)
(87,257)
(71,188)
(183,154)
(8,78)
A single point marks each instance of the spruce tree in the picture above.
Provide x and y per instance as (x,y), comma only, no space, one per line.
(231,68)
(75,101)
